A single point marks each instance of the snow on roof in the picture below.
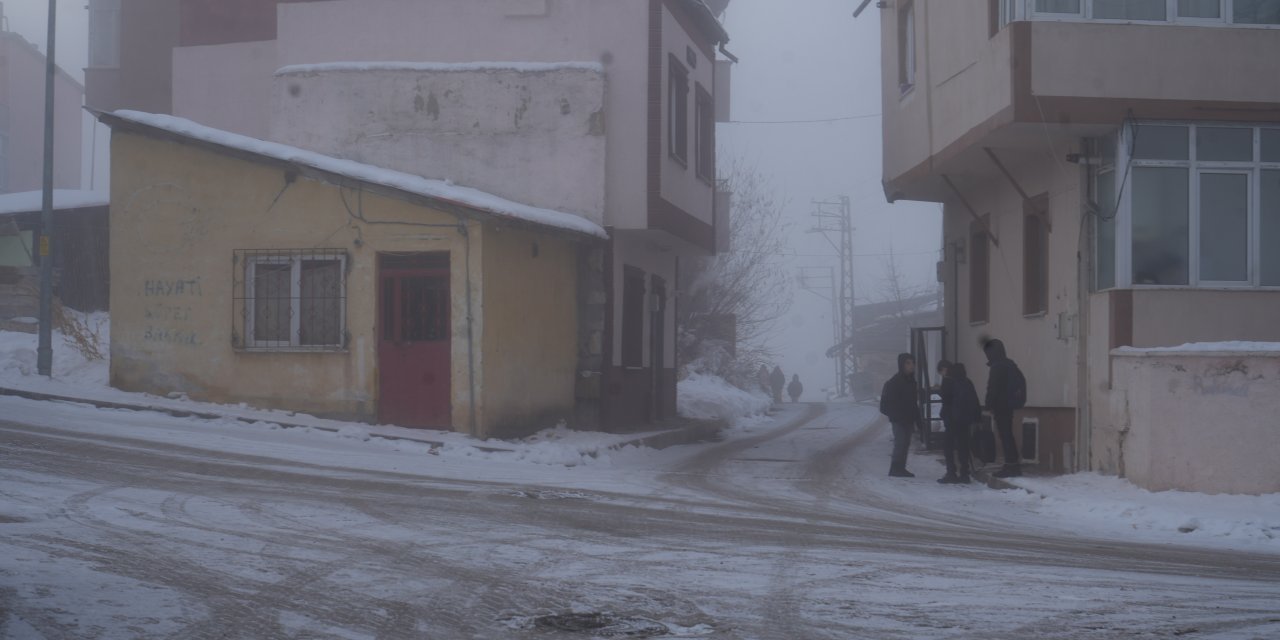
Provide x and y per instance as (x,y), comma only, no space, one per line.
(29,201)
(408,183)
(522,67)
(1204,347)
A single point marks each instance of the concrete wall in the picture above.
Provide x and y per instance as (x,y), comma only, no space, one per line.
(535,137)
(531,331)
(1156,62)
(226,86)
(445,31)
(22,80)
(1199,421)
(1204,316)
(178,215)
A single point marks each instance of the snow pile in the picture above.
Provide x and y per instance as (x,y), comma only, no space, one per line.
(707,397)
(1112,504)
(1206,347)
(70,367)
(418,185)
(558,446)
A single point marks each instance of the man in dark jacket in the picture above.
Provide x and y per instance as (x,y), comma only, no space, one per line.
(795,389)
(1000,404)
(960,409)
(777,380)
(898,403)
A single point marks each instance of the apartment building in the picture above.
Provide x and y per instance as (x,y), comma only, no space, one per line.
(1109,172)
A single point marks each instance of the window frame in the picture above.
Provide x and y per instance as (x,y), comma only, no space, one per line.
(1035,291)
(631,354)
(1025,10)
(294,258)
(104,34)
(1195,168)
(677,111)
(907,60)
(704,134)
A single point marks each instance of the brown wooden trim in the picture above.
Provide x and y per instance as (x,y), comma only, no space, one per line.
(1121,318)
(667,217)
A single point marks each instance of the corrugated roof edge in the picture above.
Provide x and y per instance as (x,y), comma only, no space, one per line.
(459,200)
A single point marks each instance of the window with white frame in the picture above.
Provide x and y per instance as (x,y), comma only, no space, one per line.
(1104,207)
(104,33)
(1257,13)
(906,47)
(1200,206)
(291,299)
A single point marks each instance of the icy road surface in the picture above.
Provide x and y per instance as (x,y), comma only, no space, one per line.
(127,525)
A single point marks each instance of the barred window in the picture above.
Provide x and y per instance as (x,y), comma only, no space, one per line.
(291,299)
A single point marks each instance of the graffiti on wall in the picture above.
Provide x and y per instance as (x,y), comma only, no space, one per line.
(169,321)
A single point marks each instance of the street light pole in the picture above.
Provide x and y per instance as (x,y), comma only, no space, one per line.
(44,351)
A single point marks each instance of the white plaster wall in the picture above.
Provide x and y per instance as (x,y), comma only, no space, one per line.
(226,86)
(613,33)
(1199,422)
(681,185)
(535,137)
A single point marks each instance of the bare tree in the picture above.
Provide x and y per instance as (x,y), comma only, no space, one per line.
(732,302)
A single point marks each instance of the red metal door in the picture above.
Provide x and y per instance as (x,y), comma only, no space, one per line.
(414,341)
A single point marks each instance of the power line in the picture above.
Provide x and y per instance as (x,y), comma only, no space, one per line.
(816,120)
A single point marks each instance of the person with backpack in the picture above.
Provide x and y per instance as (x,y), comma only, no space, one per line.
(1006,392)
(960,410)
(898,403)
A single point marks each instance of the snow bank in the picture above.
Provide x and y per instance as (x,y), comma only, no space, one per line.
(71,368)
(1206,347)
(29,201)
(418,185)
(708,397)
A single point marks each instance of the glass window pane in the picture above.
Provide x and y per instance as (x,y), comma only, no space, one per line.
(1158,142)
(271,298)
(1224,144)
(1271,228)
(1161,225)
(1105,226)
(1129,9)
(1058,6)
(1271,145)
(424,309)
(320,307)
(1200,8)
(1224,227)
(1256,12)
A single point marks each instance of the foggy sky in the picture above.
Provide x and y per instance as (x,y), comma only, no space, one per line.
(800,61)
(811,60)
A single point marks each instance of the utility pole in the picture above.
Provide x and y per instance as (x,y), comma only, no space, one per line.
(44,350)
(834,218)
(821,282)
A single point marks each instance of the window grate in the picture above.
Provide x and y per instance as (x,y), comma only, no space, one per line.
(289,299)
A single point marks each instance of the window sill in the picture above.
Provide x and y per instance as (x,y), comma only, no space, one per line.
(707,181)
(978,323)
(683,162)
(905,91)
(1036,315)
(270,350)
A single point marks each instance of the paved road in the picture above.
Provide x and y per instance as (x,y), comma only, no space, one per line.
(790,533)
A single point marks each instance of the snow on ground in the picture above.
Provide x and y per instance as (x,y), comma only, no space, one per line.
(1207,347)
(707,397)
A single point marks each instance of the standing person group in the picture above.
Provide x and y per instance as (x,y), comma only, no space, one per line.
(1006,393)
(773,384)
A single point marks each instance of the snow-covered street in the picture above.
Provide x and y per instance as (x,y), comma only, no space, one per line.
(138,525)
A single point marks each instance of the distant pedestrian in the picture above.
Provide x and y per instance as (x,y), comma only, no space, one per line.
(898,403)
(777,380)
(1006,392)
(795,389)
(960,410)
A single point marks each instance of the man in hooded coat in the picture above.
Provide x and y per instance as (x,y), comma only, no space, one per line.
(1000,403)
(898,403)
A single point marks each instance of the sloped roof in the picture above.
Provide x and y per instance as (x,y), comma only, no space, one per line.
(63,199)
(396,184)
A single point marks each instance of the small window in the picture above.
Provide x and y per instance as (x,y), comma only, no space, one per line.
(633,317)
(1161,225)
(1224,144)
(906,47)
(678,111)
(104,34)
(291,299)
(1058,6)
(1224,227)
(1271,145)
(1157,142)
(1270,227)
(979,271)
(1035,256)
(1151,10)
(705,134)
(1256,11)
(1210,9)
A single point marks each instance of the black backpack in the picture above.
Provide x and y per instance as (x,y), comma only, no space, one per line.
(1017,388)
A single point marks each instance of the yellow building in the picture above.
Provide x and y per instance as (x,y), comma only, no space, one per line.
(248,271)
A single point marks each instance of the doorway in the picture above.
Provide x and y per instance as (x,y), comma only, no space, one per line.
(414,340)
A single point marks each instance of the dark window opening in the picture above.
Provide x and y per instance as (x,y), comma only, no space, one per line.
(1035,256)
(979,271)
(678,111)
(633,317)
